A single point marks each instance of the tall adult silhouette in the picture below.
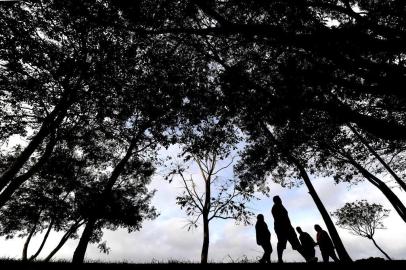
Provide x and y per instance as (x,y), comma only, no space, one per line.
(307,243)
(284,230)
(263,236)
(325,244)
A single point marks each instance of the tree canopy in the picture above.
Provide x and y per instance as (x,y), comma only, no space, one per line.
(92,89)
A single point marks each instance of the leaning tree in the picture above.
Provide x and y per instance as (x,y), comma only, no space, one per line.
(51,53)
(363,219)
(154,83)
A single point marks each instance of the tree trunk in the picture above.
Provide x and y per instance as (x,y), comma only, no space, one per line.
(335,237)
(27,242)
(401,183)
(63,240)
(381,250)
(43,241)
(206,241)
(80,251)
(49,125)
(393,199)
(205,214)
(18,181)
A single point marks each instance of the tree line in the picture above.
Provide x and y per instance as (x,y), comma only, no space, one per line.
(93,89)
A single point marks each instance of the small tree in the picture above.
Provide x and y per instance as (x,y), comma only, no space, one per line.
(217,197)
(207,146)
(363,219)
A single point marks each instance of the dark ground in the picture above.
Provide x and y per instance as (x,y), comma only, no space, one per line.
(359,265)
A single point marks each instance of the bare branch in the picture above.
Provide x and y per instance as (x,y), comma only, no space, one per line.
(222,217)
(225,167)
(219,208)
(192,196)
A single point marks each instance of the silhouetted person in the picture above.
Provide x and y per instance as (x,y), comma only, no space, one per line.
(263,238)
(308,244)
(325,244)
(284,230)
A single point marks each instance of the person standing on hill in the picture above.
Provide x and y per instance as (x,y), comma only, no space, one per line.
(325,244)
(284,230)
(263,236)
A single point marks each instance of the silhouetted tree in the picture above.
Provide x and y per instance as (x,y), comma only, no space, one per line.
(155,89)
(337,152)
(210,196)
(267,155)
(262,46)
(47,200)
(52,54)
(60,198)
(206,147)
(317,134)
(363,219)
(359,56)
(313,98)
(120,199)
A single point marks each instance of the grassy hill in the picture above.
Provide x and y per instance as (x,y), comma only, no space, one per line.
(361,264)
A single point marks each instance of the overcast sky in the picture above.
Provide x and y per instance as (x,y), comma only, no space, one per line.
(166,237)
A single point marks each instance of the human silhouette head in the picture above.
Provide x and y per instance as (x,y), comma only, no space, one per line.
(299,230)
(260,217)
(277,200)
(317,228)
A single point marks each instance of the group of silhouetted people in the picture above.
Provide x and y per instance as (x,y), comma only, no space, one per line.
(285,232)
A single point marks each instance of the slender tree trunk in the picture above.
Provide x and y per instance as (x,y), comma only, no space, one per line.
(63,240)
(18,181)
(335,237)
(80,251)
(205,214)
(206,241)
(393,199)
(381,250)
(401,183)
(58,247)
(43,241)
(50,124)
(27,242)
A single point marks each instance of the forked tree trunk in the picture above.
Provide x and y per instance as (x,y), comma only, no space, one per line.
(33,257)
(27,242)
(63,240)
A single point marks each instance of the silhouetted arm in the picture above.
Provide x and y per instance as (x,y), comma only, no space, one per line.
(257,235)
